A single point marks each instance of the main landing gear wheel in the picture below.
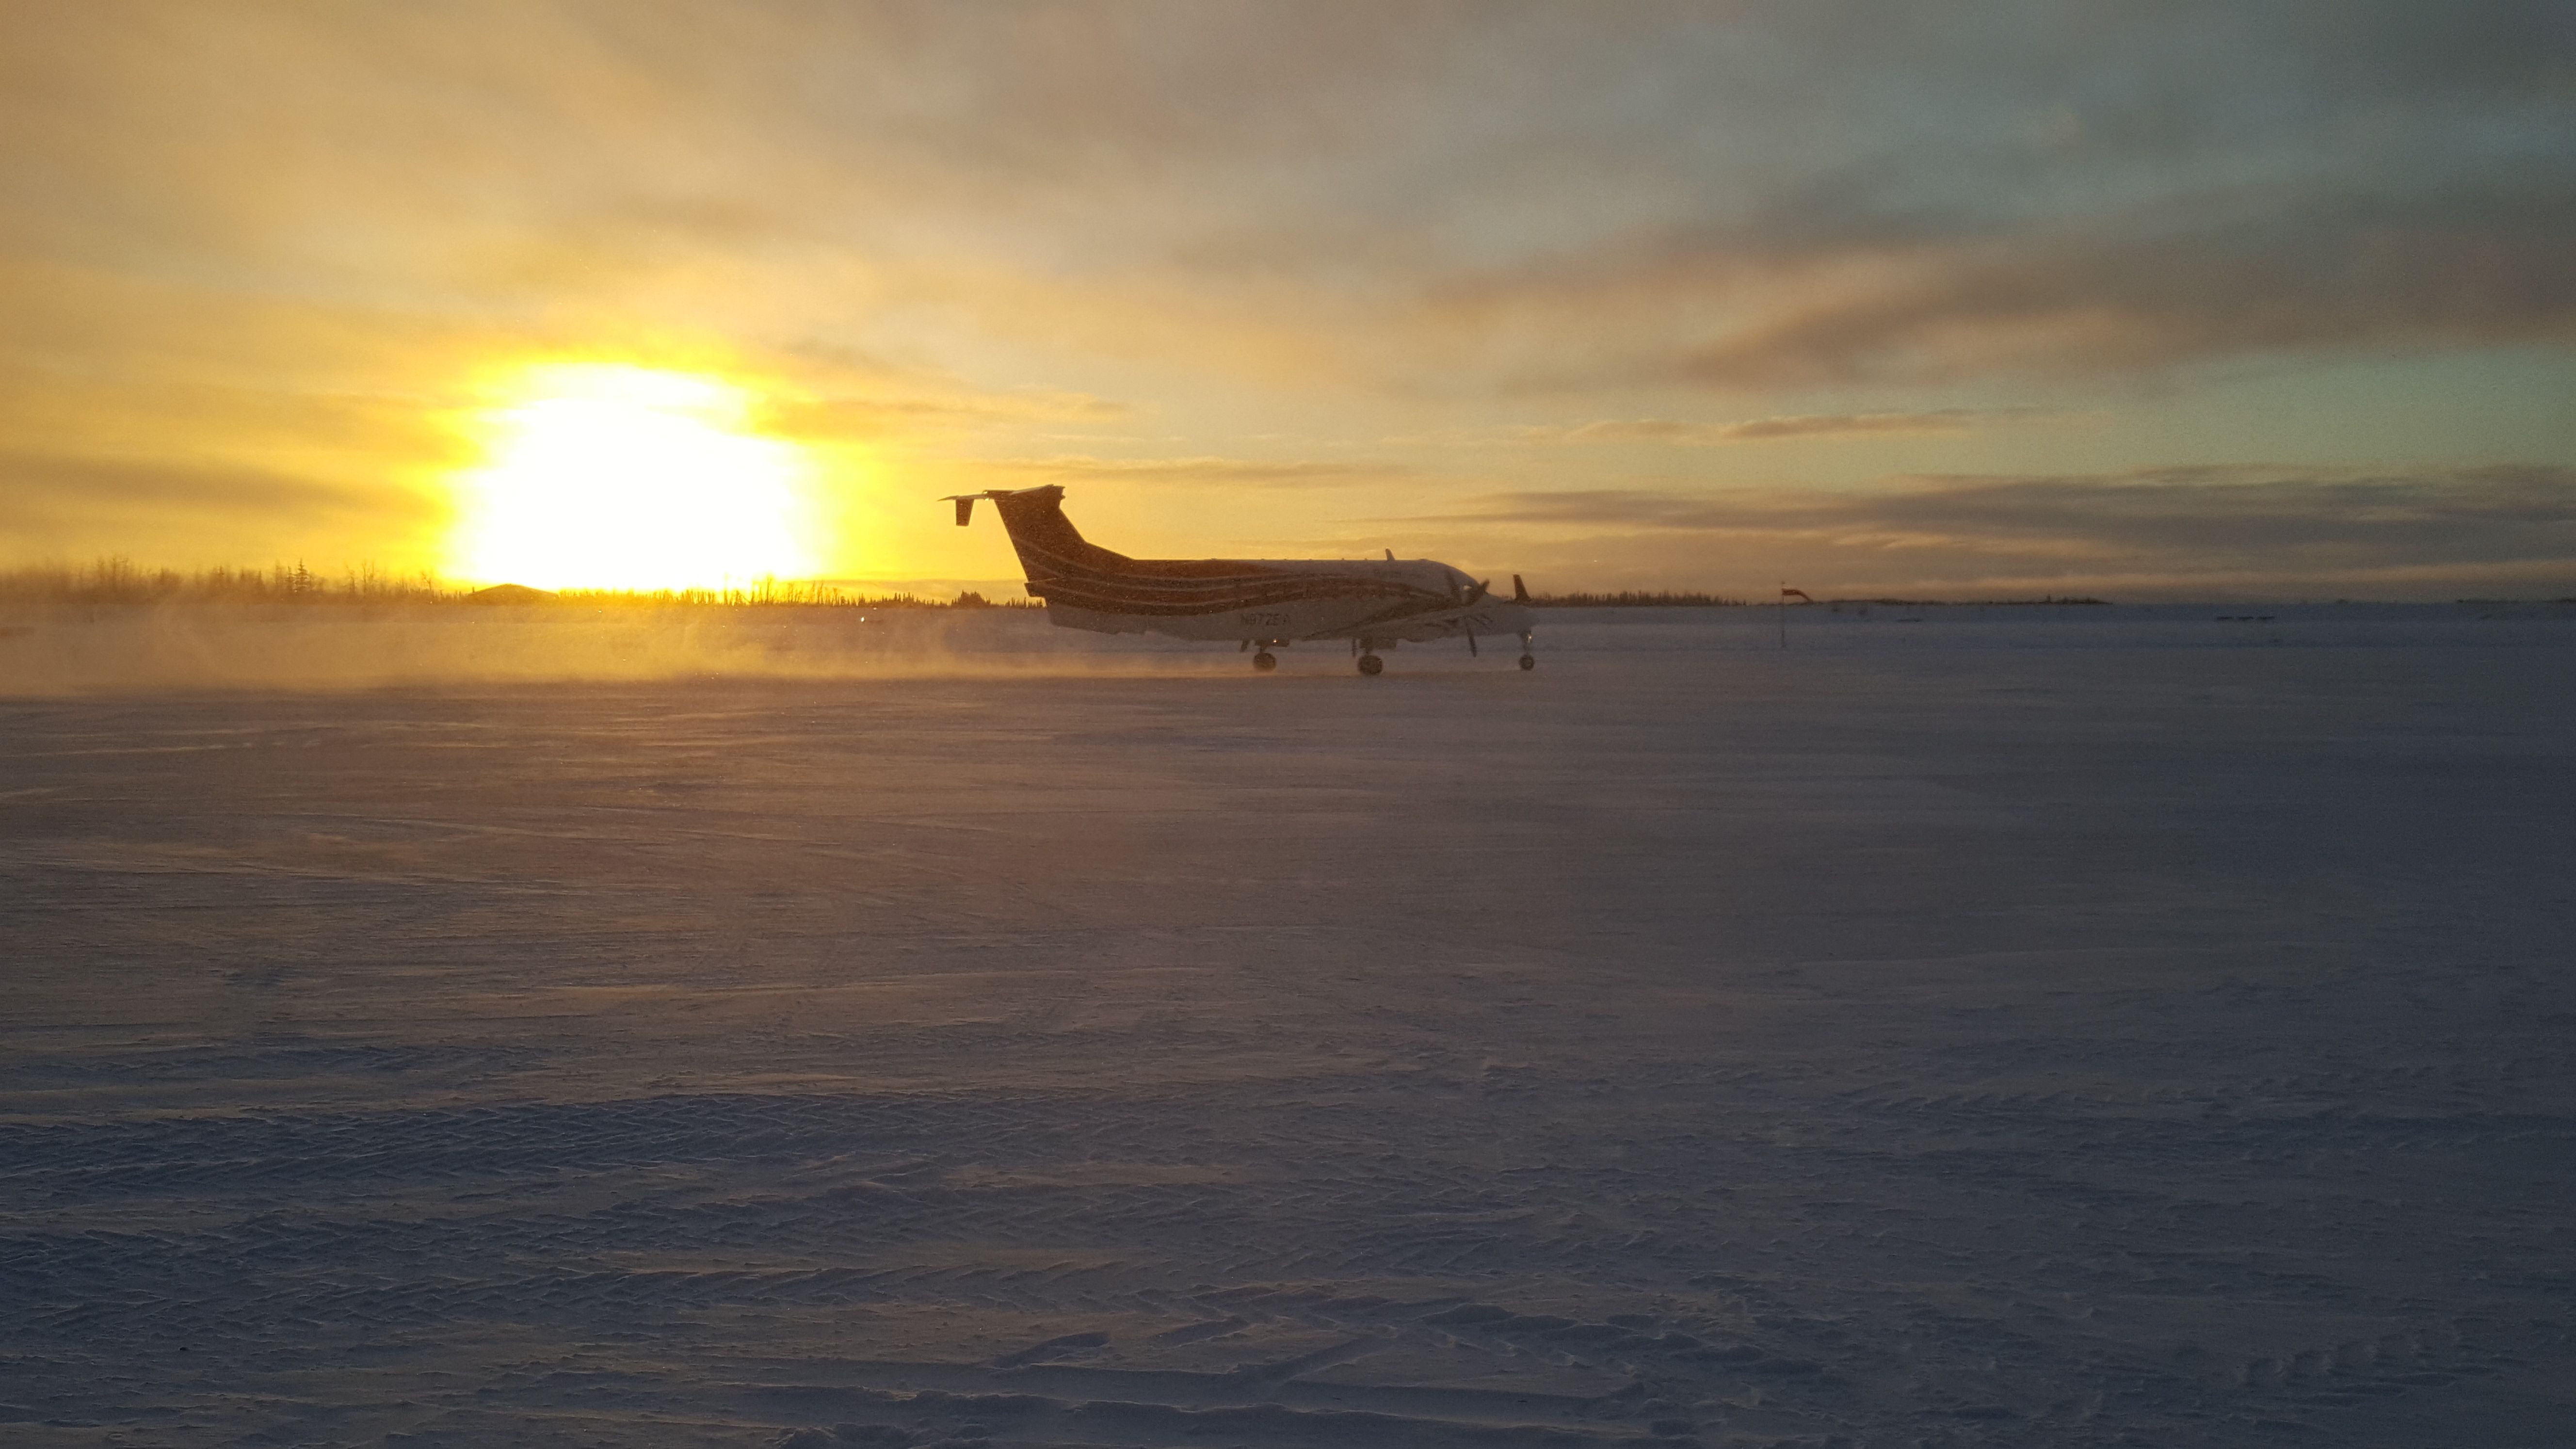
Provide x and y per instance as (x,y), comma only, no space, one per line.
(1529,661)
(1370,664)
(1265,661)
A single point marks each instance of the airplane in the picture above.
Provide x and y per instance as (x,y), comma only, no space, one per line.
(1265,603)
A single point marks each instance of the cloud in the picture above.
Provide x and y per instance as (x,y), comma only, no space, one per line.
(874,418)
(39,486)
(2150,292)
(2152,532)
(1197,471)
(70,507)
(1749,197)
(1941,421)
(2190,275)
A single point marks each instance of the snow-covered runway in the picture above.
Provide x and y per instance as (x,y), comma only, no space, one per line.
(2039,1029)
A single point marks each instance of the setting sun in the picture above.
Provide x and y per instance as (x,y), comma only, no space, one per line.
(623,477)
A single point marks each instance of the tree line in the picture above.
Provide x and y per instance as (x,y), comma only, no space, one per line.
(121,581)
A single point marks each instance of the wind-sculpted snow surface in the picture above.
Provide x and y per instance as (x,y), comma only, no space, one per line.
(1994,1033)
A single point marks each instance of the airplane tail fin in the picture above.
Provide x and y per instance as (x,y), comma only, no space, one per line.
(1048,544)
(1520,591)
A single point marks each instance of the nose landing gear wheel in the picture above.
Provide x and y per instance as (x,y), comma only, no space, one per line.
(1265,661)
(1370,664)
(1529,662)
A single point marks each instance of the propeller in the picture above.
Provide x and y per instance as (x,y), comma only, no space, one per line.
(1478,592)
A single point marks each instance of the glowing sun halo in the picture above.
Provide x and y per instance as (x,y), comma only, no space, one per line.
(619,477)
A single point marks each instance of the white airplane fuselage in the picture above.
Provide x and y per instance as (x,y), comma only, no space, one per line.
(1254,601)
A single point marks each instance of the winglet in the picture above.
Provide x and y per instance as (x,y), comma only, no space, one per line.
(1520,591)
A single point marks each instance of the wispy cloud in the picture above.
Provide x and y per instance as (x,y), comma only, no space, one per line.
(1197,471)
(68,507)
(1680,433)
(2162,531)
(890,415)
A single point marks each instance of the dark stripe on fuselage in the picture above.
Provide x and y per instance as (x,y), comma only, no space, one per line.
(1116,604)
(1110,597)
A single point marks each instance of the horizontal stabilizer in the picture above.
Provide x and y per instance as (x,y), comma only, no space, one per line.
(966,501)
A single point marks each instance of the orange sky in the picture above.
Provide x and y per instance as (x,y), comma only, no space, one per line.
(2064,298)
